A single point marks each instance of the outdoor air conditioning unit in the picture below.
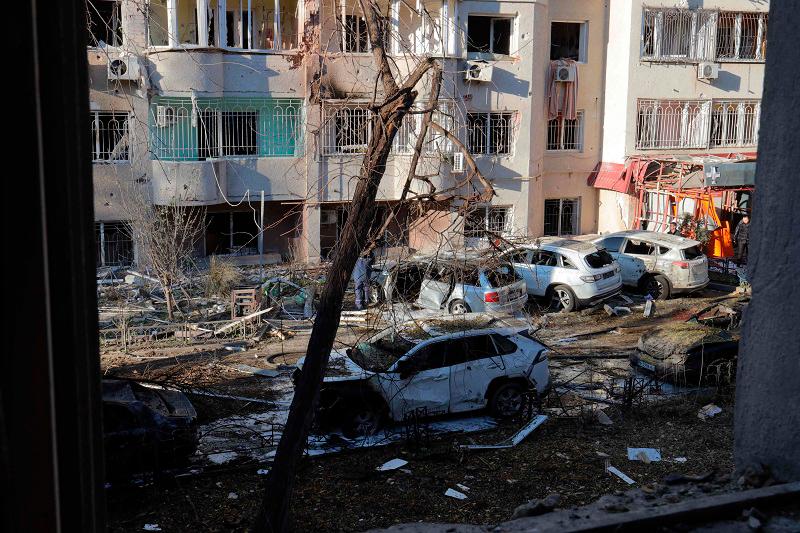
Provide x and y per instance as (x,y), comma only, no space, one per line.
(565,73)
(478,71)
(707,71)
(123,66)
(458,163)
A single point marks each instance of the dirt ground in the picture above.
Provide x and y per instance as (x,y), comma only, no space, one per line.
(343,492)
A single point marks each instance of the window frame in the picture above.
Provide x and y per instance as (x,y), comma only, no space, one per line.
(560,232)
(96,135)
(583,39)
(513,38)
(486,132)
(483,234)
(561,121)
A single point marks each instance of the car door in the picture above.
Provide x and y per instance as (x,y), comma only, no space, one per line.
(521,261)
(545,263)
(639,256)
(474,363)
(437,285)
(419,381)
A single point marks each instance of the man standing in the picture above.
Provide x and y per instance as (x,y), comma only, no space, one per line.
(741,240)
(673,229)
(361,275)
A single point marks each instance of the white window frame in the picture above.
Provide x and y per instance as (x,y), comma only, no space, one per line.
(203,10)
(329,133)
(583,46)
(579,126)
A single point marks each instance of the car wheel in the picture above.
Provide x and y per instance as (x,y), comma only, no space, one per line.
(507,401)
(657,286)
(363,420)
(459,307)
(563,299)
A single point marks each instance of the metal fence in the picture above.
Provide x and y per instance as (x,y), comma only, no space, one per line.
(109,136)
(735,122)
(490,133)
(185,129)
(565,134)
(125,336)
(693,35)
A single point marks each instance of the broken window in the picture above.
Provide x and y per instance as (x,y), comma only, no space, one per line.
(735,122)
(356,38)
(231,233)
(109,136)
(568,41)
(489,35)
(545,258)
(636,247)
(346,130)
(157,23)
(561,216)
(114,244)
(239,133)
(490,133)
(104,22)
(565,134)
(488,221)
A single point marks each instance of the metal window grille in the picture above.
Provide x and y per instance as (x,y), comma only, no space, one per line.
(741,36)
(355,37)
(562,216)
(436,142)
(735,122)
(490,133)
(672,124)
(488,220)
(186,130)
(692,35)
(109,136)
(347,129)
(114,244)
(565,134)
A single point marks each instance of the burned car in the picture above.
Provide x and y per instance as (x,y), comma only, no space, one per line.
(146,429)
(457,285)
(701,350)
(437,368)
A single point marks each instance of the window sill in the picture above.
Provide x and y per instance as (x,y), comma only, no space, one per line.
(564,150)
(197,48)
(480,56)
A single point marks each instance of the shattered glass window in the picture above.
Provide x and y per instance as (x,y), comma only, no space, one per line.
(599,259)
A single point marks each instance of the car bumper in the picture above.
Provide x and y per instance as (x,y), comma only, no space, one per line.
(509,307)
(600,296)
(690,287)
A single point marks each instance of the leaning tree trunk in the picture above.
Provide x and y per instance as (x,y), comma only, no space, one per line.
(274,511)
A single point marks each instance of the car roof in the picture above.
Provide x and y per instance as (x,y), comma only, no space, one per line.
(558,243)
(673,241)
(465,325)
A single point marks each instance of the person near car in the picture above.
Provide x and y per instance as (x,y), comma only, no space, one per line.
(741,240)
(673,229)
(361,276)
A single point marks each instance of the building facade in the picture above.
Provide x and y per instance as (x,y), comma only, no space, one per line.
(258,112)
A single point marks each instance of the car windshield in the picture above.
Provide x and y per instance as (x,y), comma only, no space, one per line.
(693,252)
(599,259)
(501,276)
(381,351)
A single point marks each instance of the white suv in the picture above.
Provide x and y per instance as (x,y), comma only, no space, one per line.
(569,273)
(435,369)
(658,263)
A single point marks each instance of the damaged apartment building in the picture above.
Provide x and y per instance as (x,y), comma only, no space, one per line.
(215,104)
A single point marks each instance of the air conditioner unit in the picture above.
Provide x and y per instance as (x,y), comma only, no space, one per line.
(478,71)
(458,162)
(565,73)
(327,217)
(123,66)
(707,71)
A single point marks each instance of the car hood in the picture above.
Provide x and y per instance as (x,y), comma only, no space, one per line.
(340,368)
(681,338)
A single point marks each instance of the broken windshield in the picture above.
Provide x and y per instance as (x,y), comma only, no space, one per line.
(381,351)
(599,259)
(501,276)
(693,252)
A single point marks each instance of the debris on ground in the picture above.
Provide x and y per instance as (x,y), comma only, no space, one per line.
(617,472)
(394,464)
(537,507)
(708,411)
(515,439)
(645,455)
(455,494)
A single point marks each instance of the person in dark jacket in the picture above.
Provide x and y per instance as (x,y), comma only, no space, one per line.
(361,276)
(673,229)
(741,240)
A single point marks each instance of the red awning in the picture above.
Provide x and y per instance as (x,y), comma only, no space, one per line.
(610,176)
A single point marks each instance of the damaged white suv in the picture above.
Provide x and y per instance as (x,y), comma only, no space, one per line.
(434,369)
